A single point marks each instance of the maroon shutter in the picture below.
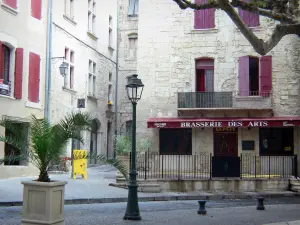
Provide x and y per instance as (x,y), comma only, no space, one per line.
(265,75)
(253,20)
(249,18)
(34,77)
(36,9)
(1,62)
(204,18)
(244,76)
(11,3)
(19,73)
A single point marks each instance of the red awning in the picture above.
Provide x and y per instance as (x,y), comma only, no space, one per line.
(223,122)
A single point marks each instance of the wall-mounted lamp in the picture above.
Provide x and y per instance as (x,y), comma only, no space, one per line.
(63,68)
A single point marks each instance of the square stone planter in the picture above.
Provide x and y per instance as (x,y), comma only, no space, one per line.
(43,203)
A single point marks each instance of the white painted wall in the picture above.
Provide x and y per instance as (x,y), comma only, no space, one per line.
(31,36)
(73,33)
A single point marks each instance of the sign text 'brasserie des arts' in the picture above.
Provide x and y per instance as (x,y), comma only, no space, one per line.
(196,124)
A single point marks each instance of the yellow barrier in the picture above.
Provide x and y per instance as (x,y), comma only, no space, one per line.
(80,163)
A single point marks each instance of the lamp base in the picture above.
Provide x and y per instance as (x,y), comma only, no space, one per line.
(132,217)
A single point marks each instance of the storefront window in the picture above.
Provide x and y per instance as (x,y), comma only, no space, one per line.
(175,141)
(276,141)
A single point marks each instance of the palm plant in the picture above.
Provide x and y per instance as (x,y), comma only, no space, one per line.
(47,142)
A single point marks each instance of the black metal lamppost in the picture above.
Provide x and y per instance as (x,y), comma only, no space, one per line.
(134,91)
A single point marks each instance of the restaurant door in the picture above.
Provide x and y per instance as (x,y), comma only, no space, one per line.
(225,162)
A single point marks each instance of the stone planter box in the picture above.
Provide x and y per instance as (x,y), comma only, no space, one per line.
(43,203)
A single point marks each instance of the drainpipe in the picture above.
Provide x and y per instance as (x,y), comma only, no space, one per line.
(117,83)
(49,62)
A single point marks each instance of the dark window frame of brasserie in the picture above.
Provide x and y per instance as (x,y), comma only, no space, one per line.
(277,138)
(171,137)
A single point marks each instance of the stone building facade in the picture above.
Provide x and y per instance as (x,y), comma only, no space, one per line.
(205,77)
(84,35)
(22,73)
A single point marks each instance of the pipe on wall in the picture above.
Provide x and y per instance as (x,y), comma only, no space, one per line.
(48,62)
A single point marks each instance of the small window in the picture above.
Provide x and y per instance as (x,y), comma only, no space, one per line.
(5,79)
(92,78)
(129,128)
(92,16)
(69,8)
(132,50)
(110,32)
(70,59)
(110,77)
(133,9)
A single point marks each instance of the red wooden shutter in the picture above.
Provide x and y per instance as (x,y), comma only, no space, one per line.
(19,73)
(249,18)
(36,9)
(11,3)
(204,18)
(34,77)
(1,62)
(244,76)
(265,75)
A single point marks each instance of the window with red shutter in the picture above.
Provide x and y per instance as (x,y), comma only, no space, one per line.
(19,73)
(34,77)
(11,3)
(36,9)
(205,18)
(266,75)
(250,19)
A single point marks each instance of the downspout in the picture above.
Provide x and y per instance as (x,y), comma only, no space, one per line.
(49,62)
(117,83)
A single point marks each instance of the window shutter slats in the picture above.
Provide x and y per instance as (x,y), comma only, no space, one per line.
(19,73)
(244,76)
(34,77)
(36,9)
(266,75)
(249,18)
(205,18)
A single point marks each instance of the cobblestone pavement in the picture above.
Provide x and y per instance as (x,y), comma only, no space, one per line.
(226,212)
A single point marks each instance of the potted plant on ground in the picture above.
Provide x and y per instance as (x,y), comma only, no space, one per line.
(43,199)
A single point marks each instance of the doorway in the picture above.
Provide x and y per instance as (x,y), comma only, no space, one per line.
(94,141)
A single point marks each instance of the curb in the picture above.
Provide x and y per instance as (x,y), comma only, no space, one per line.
(216,197)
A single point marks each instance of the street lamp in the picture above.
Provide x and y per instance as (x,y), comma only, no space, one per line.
(134,91)
(63,69)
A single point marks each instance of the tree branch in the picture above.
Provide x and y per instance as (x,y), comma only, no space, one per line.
(264,12)
(259,45)
(184,4)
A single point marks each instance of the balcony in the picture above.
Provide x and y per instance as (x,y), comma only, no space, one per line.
(226,101)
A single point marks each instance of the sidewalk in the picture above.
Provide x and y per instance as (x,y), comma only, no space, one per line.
(96,189)
(297,222)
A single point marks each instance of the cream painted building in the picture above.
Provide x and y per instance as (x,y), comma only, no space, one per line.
(84,36)
(206,89)
(23,35)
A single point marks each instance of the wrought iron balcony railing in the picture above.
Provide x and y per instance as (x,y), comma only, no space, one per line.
(227,99)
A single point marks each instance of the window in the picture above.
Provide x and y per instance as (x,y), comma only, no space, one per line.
(70,59)
(249,18)
(110,94)
(69,8)
(133,9)
(204,18)
(36,9)
(175,141)
(110,77)
(129,128)
(34,78)
(91,16)
(92,78)
(205,75)
(110,32)
(7,59)
(276,141)
(21,131)
(255,76)
(11,3)
(133,38)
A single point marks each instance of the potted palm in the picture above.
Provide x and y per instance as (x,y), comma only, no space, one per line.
(43,198)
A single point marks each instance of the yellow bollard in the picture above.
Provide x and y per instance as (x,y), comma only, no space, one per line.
(80,163)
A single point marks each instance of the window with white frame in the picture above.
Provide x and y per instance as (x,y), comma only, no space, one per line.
(132,51)
(6,63)
(69,8)
(70,59)
(92,78)
(91,16)
(110,30)
(133,9)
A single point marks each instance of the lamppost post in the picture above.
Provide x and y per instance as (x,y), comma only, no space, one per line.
(132,211)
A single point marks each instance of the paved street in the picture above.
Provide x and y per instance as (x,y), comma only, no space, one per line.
(226,212)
